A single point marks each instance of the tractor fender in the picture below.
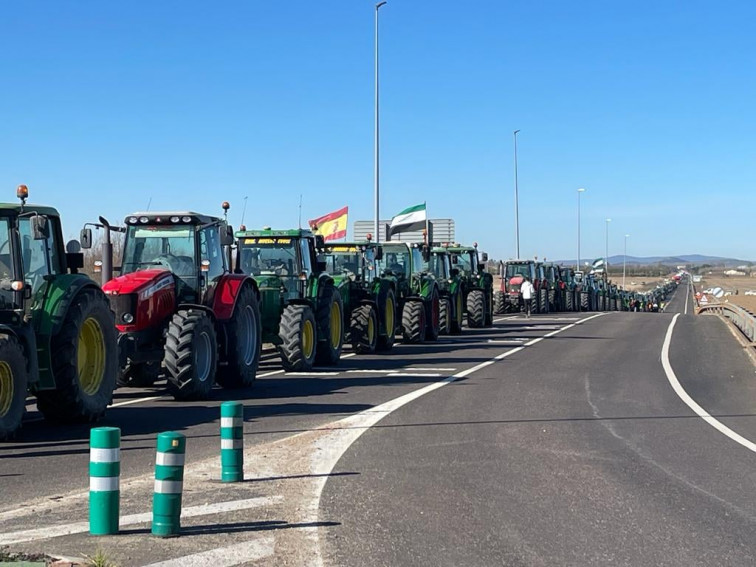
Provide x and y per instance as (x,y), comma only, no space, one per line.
(28,340)
(317,284)
(222,299)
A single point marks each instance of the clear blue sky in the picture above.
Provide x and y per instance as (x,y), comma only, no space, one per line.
(651,106)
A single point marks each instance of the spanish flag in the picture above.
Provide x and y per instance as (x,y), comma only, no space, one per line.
(331,226)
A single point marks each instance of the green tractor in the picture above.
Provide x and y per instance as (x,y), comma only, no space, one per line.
(57,332)
(301,305)
(417,290)
(477,284)
(451,288)
(369,299)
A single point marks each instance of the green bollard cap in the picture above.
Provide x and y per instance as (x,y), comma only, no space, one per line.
(171,442)
(105,437)
(232,409)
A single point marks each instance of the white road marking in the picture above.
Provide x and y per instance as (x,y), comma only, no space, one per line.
(273,373)
(370,371)
(413,375)
(331,447)
(504,318)
(237,554)
(314,373)
(690,402)
(439,369)
(190,512)
(513,340)
(135,401)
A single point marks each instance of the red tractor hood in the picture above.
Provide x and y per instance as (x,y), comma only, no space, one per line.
(144,282)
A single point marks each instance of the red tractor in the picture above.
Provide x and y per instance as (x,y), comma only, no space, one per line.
(178,305)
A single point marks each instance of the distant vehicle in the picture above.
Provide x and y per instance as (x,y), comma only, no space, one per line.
(750,292)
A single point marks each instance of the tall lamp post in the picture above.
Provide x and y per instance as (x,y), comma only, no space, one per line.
(517,202)
(577,268)
(624,262)
(606,252)
(376,233)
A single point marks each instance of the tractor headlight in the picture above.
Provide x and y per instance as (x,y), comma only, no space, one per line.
(127,318)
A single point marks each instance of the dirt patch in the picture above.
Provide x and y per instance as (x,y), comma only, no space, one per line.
(736,286)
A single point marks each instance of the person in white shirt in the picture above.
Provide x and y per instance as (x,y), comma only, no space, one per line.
(527,290)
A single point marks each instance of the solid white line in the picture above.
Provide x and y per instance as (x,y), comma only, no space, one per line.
(314,373)
(136,401)
(413,375)
(237,554)
(190,512)
(439,369)
(370,371)
(274,372)
(690,402)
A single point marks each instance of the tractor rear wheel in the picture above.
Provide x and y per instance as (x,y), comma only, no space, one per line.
(13,380)
(456,322)
(298,335)
(244,335)
(84,361)
(413,321)
(387,306)
(569,301)
(476,309)
(488,311)
(191,355)
(585,304)
(500,305)
(363,329)
(432,310)
(330,319)
(543,301)
(444,316)
(139,374)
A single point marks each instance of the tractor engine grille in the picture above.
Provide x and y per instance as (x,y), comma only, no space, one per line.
(124,305)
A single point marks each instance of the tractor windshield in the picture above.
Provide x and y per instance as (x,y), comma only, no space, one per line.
(168,247)
(7,274)
(518,270)
(398,262)
(438,265)
(465,262)
(269,257)
(346,262)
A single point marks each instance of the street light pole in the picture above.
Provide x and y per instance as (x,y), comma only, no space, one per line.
(517,203)
(577,268)
(376,234)
(606,252)
(624,262)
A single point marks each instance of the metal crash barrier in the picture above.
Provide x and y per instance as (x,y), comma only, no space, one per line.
(740,317)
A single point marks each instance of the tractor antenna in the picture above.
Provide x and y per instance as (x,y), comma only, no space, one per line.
(244,210)
(149,203)
(300,210)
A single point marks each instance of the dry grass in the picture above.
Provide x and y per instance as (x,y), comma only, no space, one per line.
(741,284)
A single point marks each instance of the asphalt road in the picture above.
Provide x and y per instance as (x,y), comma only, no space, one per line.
(571,448)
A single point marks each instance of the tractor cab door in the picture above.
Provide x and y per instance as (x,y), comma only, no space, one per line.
(40,256)
(10,266)
(212,259)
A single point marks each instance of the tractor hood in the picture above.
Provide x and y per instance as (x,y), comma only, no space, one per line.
(144,282)
(514,283)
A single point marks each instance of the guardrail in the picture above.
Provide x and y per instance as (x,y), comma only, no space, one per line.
(740,317)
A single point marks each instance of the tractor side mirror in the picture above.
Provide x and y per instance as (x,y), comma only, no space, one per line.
(484,257)
(86,238)
(39,227)
(426,251)
(319,242)
(481,267)
(379,253)
(321,265)
(226,234)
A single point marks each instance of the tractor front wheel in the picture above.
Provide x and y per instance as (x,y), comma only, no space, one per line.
(244,334)
(298,336)
(363,329)
(387,305)
(444,316)
(191,355)
(500,304)
(456,320)
(476,309)
(413,321)
(433,309)
(84,361)
(13,380)
(330,318)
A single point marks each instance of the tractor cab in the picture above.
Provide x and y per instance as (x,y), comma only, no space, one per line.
(356,261)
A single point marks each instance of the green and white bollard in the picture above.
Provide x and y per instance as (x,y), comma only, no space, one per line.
(104,474)
(169,484)
(232,442)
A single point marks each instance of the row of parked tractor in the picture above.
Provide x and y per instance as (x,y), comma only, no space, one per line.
(194,302)
(560,288)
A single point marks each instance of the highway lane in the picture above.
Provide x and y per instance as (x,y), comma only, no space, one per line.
(574,452)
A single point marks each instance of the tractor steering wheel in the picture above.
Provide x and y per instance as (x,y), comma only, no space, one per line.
(168,260)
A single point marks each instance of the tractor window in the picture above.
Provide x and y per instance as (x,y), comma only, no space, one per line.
(518,270)
(437,265)
(304,245)
(417,258)
(338,263)
(6,266)
(212,251)
(162,247)
(39,257)
(465,262)
(397,262)
(271,257)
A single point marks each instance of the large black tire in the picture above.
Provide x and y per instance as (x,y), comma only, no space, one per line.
(432,310)
(14,377)
(388,308)
(330,319)
(444,316)
(413,321)
(585,301)
(298,334)
(488,318)
(569,301)
(500,304)
(139,374)
(191,355)
(552,300)
(244,342)
(458,313)
(363,329)
(543,300)
(84,361)
(476,309)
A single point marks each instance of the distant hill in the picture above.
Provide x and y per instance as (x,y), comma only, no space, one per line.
(686,259)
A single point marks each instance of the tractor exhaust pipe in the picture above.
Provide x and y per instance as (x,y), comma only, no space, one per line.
(107,253)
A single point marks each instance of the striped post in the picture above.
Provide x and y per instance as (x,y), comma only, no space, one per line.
(232,442)
(169,484)
(104,473)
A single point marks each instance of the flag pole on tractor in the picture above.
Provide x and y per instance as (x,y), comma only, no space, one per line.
(427,232)
(411,218)
(331,226)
